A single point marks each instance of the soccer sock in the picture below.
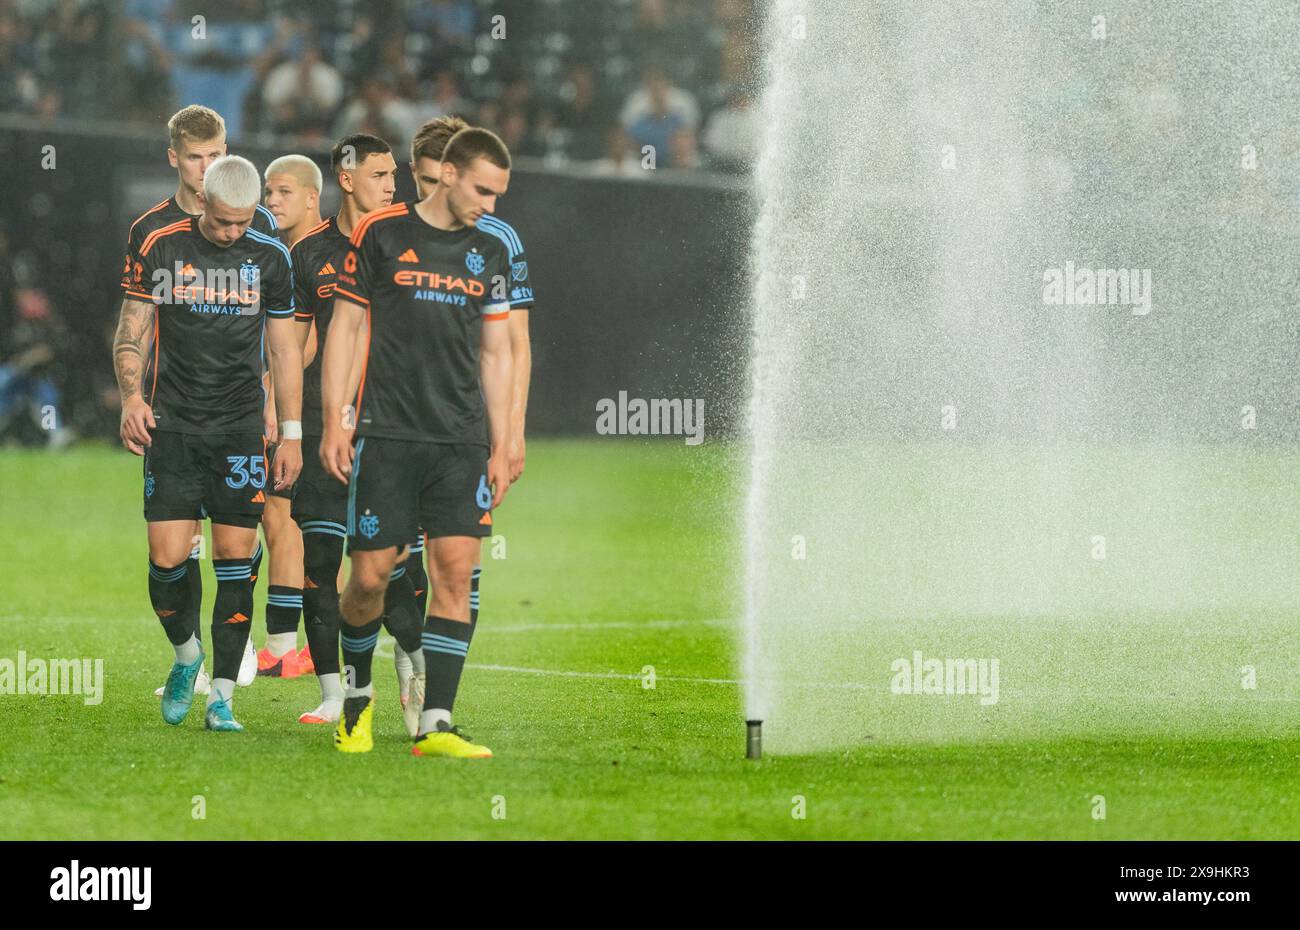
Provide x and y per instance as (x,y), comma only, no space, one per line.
(358,649)
(322,555)
(445,644)
(230,616)
(194,607)
(402,616)
(169,592)
(419,577)
(223,689)
(256,563)
(473,598)
(283,605)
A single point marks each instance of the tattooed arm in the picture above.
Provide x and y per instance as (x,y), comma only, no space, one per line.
(130,346)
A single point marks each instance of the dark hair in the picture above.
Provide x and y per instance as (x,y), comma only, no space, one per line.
(476,142)
(359,146)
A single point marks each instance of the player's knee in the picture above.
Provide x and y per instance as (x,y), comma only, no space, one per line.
(322,556)
(453,581)
(369,578)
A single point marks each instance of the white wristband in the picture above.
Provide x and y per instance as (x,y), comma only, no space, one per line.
(291,429)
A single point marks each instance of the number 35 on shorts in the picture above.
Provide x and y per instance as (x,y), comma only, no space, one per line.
(245,469)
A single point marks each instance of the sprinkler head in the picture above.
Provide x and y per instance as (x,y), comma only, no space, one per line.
(753,739)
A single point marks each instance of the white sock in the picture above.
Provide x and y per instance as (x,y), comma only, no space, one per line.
(331,688)
(429,719)
(223,689)
(187,653)
(282,643)
(367,691)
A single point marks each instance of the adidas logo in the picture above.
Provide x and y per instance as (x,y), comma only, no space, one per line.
(238,618)
(259,498)
(487,520)
(328,269)
(408,256)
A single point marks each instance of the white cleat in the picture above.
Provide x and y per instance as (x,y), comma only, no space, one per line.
(328,712)
(248,666)
(413,704)
(202,684)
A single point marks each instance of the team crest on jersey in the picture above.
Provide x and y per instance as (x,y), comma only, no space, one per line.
(474,261)
(368,525)
(249,273)
(519,270)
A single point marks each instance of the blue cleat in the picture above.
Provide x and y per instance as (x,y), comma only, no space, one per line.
(178,693)
(220,718)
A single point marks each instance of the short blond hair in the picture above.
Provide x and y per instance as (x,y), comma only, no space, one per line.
(431,139)
(232,181)
(301,168)
(195,123)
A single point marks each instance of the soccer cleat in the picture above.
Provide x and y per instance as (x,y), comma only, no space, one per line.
(247,666)
(449,741)
(202,684)
(413,704)
(220,719)
(178,693)
(353,732)
(306,665)
(327,712)
(271,665)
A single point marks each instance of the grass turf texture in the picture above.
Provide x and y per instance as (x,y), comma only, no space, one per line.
(618,555)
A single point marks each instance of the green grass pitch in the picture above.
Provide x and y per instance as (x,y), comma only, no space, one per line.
(619,555)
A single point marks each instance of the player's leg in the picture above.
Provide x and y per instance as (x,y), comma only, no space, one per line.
(279,658)
(248,662)
(173,500)
(322,553)
(232,613)
(405,621)
(382,503)
(455,512)
(193,610)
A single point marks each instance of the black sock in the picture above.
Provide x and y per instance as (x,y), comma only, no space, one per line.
(473,598)
(283,605)
(445,644)
(194,606)
(358,644)
(419,577)
(169,592)
(401,611)
(323,553)
(256,564)
(230,615)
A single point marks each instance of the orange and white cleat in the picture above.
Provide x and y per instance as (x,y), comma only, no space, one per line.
(305,664)
(327,712)
(274,666)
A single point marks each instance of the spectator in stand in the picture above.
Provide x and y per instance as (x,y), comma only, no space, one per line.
(661,115)
(300,96)
(378,111)
(583,116)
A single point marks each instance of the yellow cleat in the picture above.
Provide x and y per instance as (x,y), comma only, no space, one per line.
(353,733)
(450,742)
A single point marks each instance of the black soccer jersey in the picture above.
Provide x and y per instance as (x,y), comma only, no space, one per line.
(209,336)
(317,256)
(428,292)
(167,213)
(521,285)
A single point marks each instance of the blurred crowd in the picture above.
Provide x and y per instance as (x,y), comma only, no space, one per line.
(592,82)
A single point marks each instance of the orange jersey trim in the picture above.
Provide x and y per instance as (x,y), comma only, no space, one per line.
(311,232)
(339,289)
(497,316)
(154,209)
(178,226)
(397,209)
(137,294)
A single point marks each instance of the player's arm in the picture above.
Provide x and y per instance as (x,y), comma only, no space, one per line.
(358,359)
(130,348)
(270,423)
(336,400)
(496,374)
(286,375)
(521,352)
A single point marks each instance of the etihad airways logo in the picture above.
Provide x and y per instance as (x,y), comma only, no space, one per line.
(210,290)
(439,282)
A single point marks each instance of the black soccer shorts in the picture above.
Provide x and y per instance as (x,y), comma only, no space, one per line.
(398,486)
(319,497)
(190,476)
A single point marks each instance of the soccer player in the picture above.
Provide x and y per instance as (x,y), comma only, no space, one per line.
(207,291)
(196,137)
(432,420)
(293,189)
(426,165)
(366,173)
